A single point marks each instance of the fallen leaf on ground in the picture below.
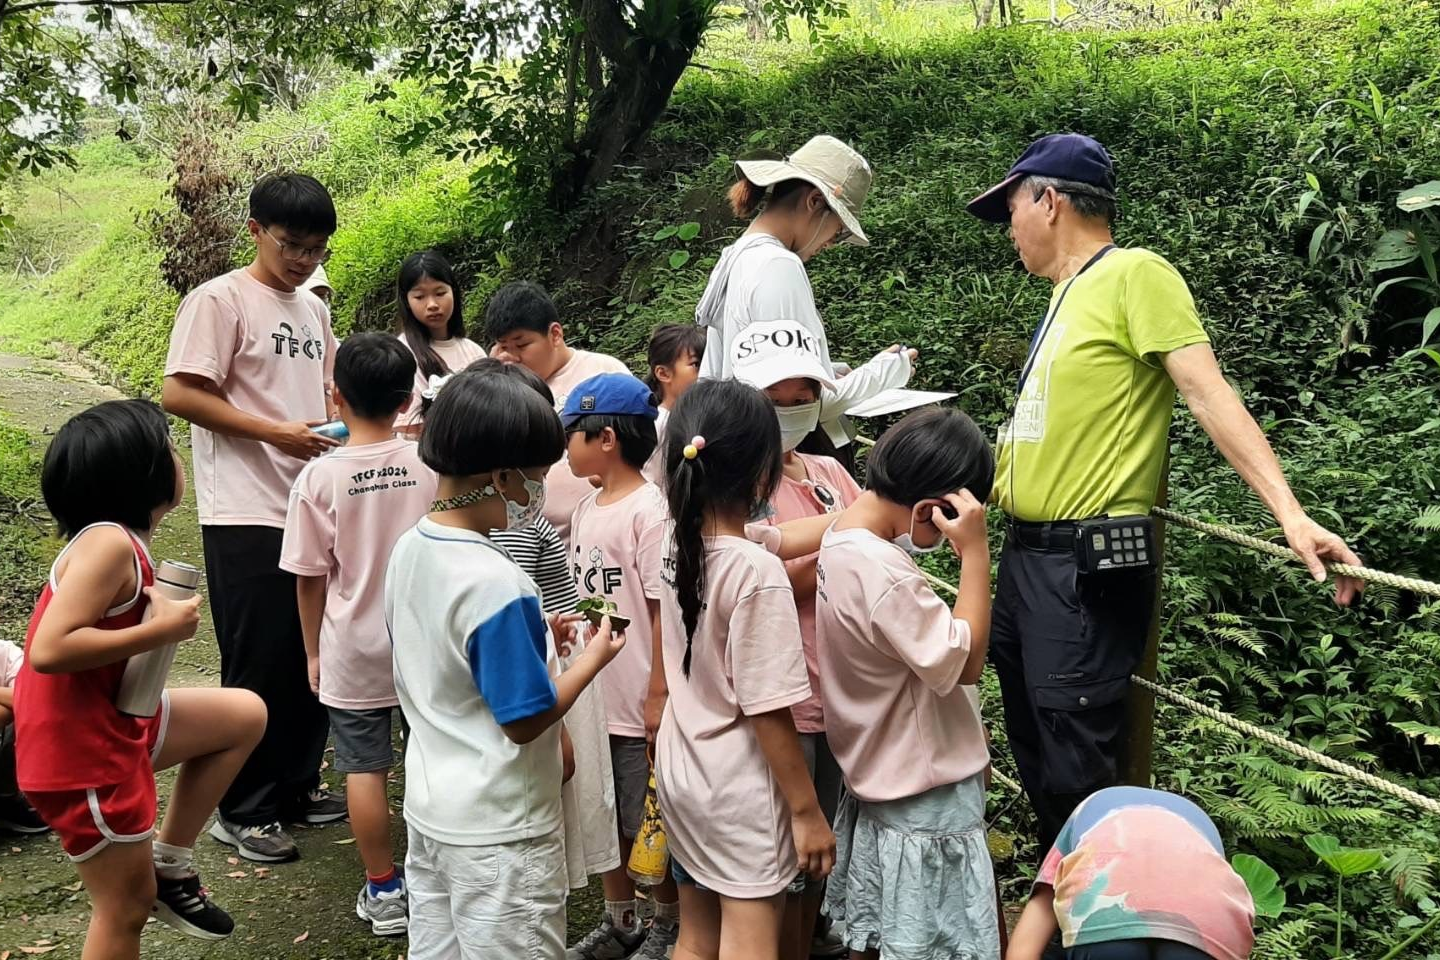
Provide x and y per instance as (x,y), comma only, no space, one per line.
(74,887)
(34,950)
(262,871)
(302,938)
(347,840)
(232,860)
(237,875)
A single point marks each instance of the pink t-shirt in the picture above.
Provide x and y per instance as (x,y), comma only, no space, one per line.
(457,354)
(270,354)
(891,655)
(616,551)
(347,510)
(564,490)
(725,817)
(828,489)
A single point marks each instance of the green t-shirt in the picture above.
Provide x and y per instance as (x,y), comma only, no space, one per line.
(1093,418)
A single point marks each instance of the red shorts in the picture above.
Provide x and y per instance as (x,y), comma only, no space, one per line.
(88,821)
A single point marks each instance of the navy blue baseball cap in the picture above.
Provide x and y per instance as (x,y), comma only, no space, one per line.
(1064,156)
(613,394)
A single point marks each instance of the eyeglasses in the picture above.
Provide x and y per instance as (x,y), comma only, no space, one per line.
(294,251)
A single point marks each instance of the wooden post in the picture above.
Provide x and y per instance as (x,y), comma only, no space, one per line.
(1140,707)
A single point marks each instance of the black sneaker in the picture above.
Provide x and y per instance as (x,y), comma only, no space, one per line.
(17,816)
(185,905)
(268,843)
(321,806)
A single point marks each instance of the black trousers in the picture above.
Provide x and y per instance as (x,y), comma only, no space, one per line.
(257,625)
(1064,645)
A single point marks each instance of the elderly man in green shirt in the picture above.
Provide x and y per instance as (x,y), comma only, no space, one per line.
(1080,464)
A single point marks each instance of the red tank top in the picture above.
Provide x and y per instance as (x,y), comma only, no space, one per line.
(68,734)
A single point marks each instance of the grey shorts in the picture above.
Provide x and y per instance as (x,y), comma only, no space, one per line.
(632,778)
(362,739)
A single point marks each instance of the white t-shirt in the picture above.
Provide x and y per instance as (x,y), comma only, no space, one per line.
(564,490)
(347,509)
(472,651)
(616,553)
(457,354)
(725,818)
(654,469)
(759,279)
(271,355)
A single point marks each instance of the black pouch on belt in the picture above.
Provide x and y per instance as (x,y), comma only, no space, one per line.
(1115,543)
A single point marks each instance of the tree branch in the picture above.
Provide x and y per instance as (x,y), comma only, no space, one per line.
(605,27)
(117,4)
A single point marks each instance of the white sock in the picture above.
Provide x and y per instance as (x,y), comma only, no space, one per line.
(173,863)
(669,912)
(622,914)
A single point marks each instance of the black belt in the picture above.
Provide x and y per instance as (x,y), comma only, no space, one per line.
(1049,535)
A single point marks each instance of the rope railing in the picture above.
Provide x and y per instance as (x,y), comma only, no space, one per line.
(1413,584)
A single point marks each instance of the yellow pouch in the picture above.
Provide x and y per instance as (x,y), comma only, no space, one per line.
(650,856)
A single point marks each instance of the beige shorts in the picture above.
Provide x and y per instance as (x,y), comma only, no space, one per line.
(487,902)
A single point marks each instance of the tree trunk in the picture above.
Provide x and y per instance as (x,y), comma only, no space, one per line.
(756,26)
(620,118)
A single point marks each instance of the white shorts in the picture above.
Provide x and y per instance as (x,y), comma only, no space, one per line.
(483,903)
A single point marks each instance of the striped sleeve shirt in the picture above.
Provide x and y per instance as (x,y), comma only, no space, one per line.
(539,551)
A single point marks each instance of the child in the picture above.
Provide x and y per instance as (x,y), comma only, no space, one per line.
(432,325)
(485,864)
(346,512)
(522,321)
(319,286)
(616,542)
(891,656)
(249,365)
(792,375)
(109,476)
(16,815)
(1112,884)
(740,812)
(673,362)
(588,797)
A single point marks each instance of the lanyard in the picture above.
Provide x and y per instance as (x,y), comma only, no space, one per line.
(1039,337)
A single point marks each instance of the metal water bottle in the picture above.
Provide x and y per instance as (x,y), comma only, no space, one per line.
(146,673)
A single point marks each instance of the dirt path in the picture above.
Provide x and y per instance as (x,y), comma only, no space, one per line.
(42,907)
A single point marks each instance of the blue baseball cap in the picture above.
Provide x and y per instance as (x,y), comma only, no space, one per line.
(1064,156)
(613,394)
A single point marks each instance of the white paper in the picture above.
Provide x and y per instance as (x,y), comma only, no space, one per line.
(893,401)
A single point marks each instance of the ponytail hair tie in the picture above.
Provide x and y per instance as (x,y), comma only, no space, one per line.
(693,448)
(432,388)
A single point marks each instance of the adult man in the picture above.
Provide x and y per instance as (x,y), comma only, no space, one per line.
(1086,440)
(249,365)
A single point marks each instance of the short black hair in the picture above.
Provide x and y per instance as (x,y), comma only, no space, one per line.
(297,202)
(1088,201)
(635,434)
(668,345)
(516,371)
(374,373)
(931,453)
(482,422)
(110,464)
(521,305)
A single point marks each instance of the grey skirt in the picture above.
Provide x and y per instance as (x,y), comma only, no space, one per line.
(913,876)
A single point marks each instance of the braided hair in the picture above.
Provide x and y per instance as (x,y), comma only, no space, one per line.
(738,462)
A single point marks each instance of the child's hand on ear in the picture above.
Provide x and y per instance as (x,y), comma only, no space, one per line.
(967,530)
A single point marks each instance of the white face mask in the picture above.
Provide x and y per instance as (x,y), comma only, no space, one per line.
(519,517)
(906,541)
(797,423)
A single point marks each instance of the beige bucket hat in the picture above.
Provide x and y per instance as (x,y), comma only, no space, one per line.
(840,173)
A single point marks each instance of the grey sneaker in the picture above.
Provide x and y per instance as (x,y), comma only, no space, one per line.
(268,843)
(321,805)
(387,912)
(607,942)
(660,940)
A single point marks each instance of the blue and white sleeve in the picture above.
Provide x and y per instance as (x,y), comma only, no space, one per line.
(506,653)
